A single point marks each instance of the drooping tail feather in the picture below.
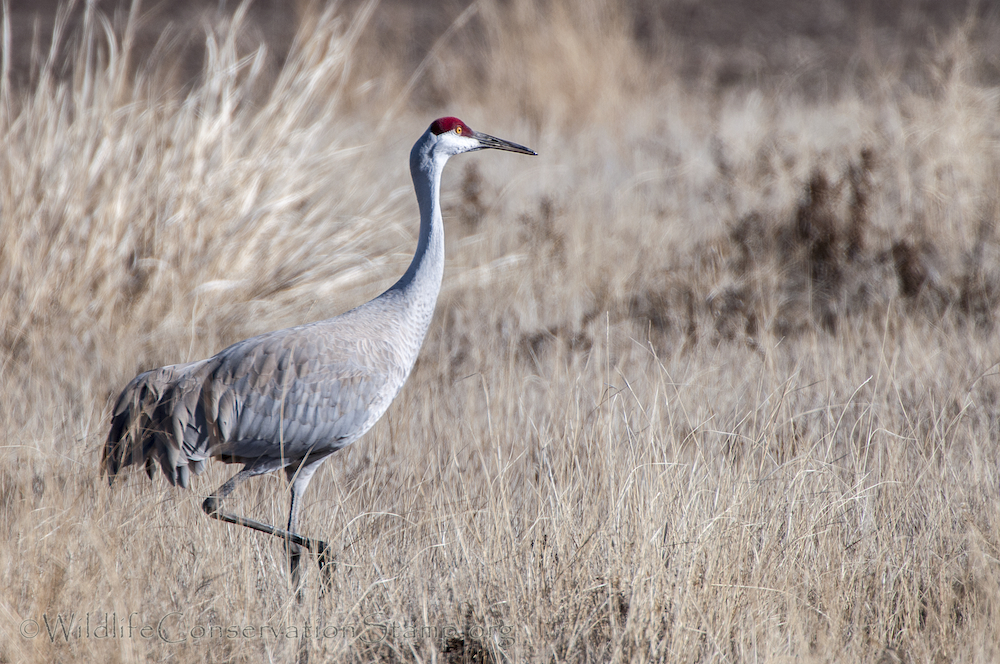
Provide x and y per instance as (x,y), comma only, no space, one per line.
(158,417)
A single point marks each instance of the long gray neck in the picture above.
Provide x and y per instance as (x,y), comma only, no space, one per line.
(418,288)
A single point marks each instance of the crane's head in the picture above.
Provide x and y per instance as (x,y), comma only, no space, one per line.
(452,136)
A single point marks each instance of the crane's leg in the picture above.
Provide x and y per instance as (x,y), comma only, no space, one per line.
(211,508)
(294,550)
(299,479)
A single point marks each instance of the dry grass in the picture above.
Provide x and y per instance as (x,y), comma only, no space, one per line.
(712,379)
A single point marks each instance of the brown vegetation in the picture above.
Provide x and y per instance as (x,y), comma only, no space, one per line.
(713,378)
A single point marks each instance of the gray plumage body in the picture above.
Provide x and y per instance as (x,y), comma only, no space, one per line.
(290,398)
(273,400)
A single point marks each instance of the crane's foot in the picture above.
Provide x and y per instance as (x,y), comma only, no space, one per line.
(327,561)
(294,552)
(325,557)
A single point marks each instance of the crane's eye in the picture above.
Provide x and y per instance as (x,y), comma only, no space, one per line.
(458,130)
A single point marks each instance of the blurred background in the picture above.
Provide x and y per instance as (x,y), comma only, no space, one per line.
(816,46)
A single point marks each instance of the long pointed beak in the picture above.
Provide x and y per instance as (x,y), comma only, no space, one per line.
(486,141)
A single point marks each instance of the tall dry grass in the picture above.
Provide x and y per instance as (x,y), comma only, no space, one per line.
(712,379)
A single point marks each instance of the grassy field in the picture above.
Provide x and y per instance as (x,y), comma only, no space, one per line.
(712,379)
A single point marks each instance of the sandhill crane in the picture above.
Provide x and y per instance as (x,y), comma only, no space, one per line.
(291,398)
